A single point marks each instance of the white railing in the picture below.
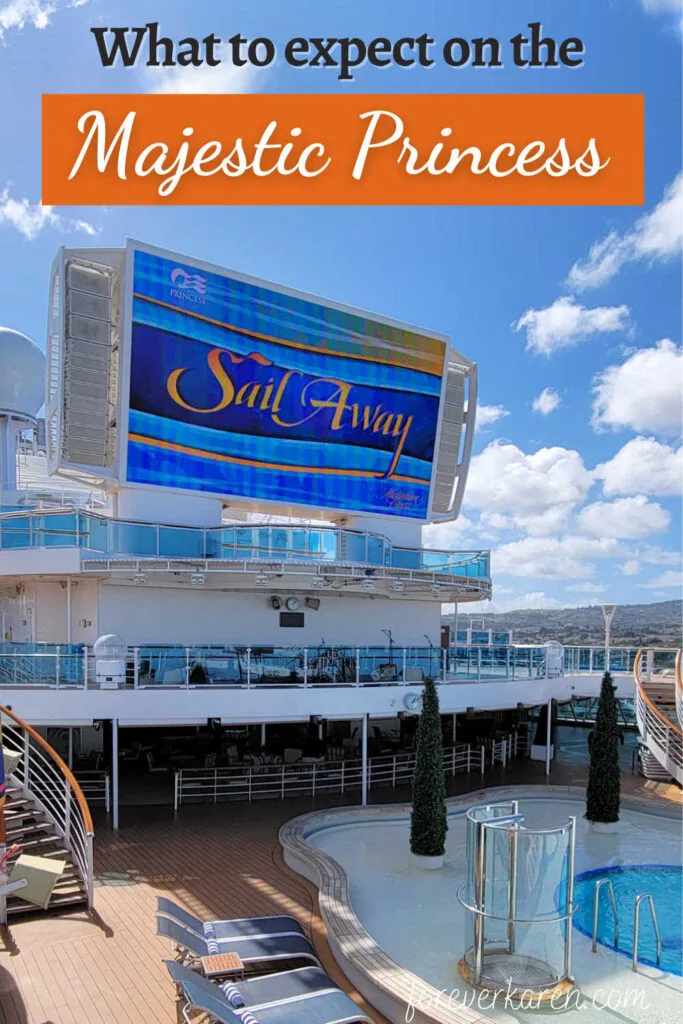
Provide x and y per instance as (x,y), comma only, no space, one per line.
(43,777)
(662,738)
(96,787)
(279,781)
(679,687)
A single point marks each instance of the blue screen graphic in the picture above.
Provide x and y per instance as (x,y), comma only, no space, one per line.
(239,390)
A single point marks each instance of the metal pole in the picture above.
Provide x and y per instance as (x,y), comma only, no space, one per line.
(608,611)
(455,726)
(263,735)
(68,610)
(115,772)
(364,762)
(570,900)
(548,734)
(479,869)
(70,756)
(512,888)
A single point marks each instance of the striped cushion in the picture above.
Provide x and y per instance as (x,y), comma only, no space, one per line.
(232,994)
(210,936)
(246,1017)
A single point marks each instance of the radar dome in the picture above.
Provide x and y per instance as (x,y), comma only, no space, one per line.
(22,373)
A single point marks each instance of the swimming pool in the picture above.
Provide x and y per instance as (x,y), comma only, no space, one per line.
(664,882)
(415,918)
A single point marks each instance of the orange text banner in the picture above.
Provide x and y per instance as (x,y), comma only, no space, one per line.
(342,150)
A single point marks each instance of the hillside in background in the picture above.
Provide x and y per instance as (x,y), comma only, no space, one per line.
(633,625)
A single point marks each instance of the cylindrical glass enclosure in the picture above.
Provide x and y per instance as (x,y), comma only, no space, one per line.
(519,894)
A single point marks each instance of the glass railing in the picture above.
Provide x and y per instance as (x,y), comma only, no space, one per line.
(596,659)
(99,535)
(177,665)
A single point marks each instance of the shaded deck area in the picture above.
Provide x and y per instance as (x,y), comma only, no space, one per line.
(219,862)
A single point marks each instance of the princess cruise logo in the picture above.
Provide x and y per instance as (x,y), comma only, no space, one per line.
(190,287)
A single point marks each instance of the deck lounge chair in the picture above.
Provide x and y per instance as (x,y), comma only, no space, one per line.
(248,927)
(251,949)
(262,988)
(332,1007)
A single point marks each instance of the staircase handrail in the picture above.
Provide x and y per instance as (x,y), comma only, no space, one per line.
(667,738)
(41,777)
(679,685)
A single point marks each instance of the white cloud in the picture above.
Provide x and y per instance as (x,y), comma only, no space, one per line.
(20,13)
(538,491)
(652,555)
(643,466)
(17,14)
(536,600)
(552,557)
(656,237)
(587,588)
(488,414)
(546,402)
(655,6)
(630,568)
(643,393)
(32,218)
(567,322)
(671,578)
(624,519)
(224,78)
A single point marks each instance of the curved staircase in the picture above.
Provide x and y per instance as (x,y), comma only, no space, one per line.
(659,707)
(46,815)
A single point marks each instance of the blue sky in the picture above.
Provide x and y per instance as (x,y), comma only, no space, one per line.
(573,315)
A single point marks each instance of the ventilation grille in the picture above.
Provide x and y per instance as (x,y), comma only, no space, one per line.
(448,453)
(90,364)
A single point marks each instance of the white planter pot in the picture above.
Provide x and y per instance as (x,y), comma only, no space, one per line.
(538,751)
(604,828)
(427,863)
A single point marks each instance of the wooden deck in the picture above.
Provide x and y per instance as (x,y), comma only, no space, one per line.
(218,862)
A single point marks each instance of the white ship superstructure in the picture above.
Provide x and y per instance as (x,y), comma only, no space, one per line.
(223,533)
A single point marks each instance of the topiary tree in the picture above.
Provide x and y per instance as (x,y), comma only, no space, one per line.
(602,794)
(428,824)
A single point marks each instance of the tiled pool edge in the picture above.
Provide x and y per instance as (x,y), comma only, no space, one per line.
(387,986)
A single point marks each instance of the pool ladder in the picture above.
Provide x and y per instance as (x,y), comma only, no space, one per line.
(636,923)
(636,920)
(596,911)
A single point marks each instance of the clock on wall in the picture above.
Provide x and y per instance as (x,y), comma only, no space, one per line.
(292,604)
(413,702)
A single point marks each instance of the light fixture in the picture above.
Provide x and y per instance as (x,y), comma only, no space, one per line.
(436,589)
(368,585)
(261,580)
(197,579)
(292,604)
(317,581)
(275,602)
(399,587)
(139,578)
(312,602)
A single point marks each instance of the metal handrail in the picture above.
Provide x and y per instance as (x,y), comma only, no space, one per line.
(636,924)
(596,912)
(679,685)
(661,736)
(43,775)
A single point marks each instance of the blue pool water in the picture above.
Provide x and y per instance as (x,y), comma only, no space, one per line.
(664,883)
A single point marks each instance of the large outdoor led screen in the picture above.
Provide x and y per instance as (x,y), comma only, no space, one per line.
(240,390)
